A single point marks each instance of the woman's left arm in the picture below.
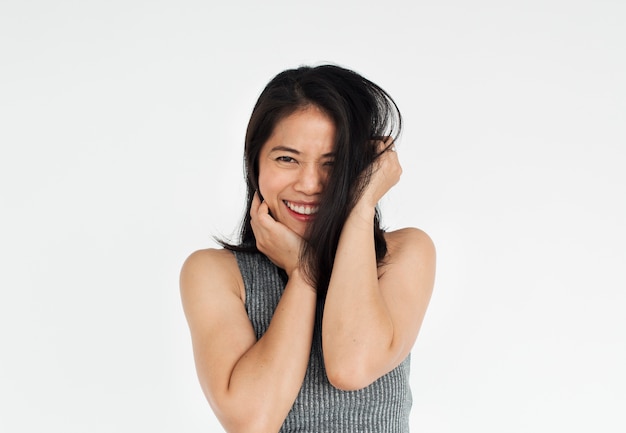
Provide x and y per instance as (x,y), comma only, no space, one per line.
(372,314)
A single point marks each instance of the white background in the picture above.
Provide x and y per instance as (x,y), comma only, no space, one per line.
(121,131)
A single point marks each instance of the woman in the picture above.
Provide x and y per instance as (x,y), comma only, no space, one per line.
(306,323)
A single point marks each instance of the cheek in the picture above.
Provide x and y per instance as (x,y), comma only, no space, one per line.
(264,180)
(271,184)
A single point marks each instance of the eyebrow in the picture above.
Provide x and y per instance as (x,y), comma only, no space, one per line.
(297,152)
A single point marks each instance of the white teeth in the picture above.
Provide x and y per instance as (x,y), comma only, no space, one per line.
(303,210)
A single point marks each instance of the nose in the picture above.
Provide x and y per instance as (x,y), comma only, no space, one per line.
(311,178)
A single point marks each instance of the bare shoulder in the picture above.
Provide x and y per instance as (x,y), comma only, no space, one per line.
(410,243)
(410,258)
(408,272)
(210,257)
(211,293)
(208,271)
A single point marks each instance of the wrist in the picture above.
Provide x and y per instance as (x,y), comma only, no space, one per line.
(294,272)
(363,212)
(296,278)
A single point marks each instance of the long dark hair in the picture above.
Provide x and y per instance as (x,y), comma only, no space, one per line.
(363,114)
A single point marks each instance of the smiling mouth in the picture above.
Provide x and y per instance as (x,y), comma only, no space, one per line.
(302,209)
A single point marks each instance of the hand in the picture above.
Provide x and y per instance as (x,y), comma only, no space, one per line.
(385,174)
(280,244)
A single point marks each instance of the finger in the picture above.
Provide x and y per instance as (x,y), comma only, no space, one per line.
(390,144)
(384,144)
(264,212)
(254,216)
(256,202)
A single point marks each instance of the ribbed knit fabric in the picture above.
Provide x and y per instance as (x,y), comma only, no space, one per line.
(382,407)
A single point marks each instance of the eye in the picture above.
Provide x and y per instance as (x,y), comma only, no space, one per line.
(285,159)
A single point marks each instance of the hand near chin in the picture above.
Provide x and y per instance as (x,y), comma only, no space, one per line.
(280,244)
(385,174)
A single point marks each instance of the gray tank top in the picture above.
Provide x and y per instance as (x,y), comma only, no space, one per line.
(382,407)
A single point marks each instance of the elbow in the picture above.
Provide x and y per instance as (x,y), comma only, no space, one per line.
(349,376)
(354,371)
(348,382)
(251,426)
(245,416)
(248,423)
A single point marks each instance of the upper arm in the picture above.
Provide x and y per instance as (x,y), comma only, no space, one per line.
(406,283)
(221,332)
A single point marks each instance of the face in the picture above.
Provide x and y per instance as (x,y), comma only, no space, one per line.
(294,165)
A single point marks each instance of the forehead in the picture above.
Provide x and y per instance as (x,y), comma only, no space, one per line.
(309,131)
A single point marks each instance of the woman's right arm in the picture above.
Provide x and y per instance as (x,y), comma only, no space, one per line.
(251,385)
